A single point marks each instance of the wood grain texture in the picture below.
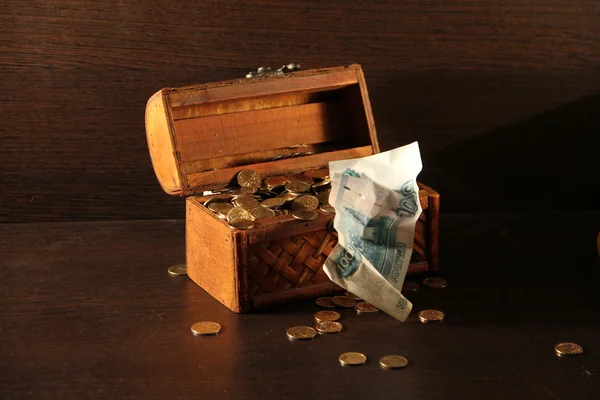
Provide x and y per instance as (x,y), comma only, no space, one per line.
(462,77)
(89,311)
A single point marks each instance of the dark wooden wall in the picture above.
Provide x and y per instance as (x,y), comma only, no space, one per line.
(504,96)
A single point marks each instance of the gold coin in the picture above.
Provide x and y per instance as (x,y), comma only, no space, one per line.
(278,212)
(305,202)
(352,296)
(305,215)
(220,207)
(321,173)
(328,208)
(238,213)
(389,362)
(287,196)
(241,224)
(327,316)
(246,202)
(301,178)
(249,179)
(274,181)
(409,286)
(297,187)
(568,349)
(324,302)
(328,326)
(321,184)
(206,328)
(365,308)
(352,358)
(431,316)
(343,301)
(177,270)
(301,333)
(262,212)
(323,196)
(273,202)
(435,283)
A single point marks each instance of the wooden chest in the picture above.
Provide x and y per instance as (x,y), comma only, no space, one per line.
(201,136)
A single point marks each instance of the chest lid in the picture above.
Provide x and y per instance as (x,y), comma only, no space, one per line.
(201,136)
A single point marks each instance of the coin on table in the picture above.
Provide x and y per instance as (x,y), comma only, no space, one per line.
(177,270)
(273,202)
(431,316)
(435,283)
(323,196)
(274,181)
(262,212)
(568,349)
(365,308)
(343,301)
(329,326)
(352,358)
(327,208)
(305,202)
(277,212)
(203,328)
(324,302)
(390,362)
(220,207)
(409,286)
(297,187)
(352,296)
(246,202)
(249,179)
(327,316)
(301,333)
(305,215)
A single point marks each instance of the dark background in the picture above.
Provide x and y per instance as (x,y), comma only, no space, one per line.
(504,97)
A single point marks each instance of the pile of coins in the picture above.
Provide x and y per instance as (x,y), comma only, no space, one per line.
(297,194)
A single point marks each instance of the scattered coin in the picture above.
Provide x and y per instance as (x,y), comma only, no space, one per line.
(431,316)
(177,270)
(324,302)
(246,202)
(323,196)
(305,215)
(206,328)
(238,213)
(302,178)
(327,208)
(262,212)
(390,362)
(329,326)
(568,349)
(352,296)
(273,202)
(249,179)
(297,187)
(365,308)
(327,316)
(288,196)
(305,202)
(343,301)
(409,286)
(220,207)
(301,333)
(352,358)
(317,173)
(435,283)
(274,181)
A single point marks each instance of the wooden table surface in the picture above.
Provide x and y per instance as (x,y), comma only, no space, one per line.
(89,311)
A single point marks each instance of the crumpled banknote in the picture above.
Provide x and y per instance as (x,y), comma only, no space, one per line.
(376,199)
